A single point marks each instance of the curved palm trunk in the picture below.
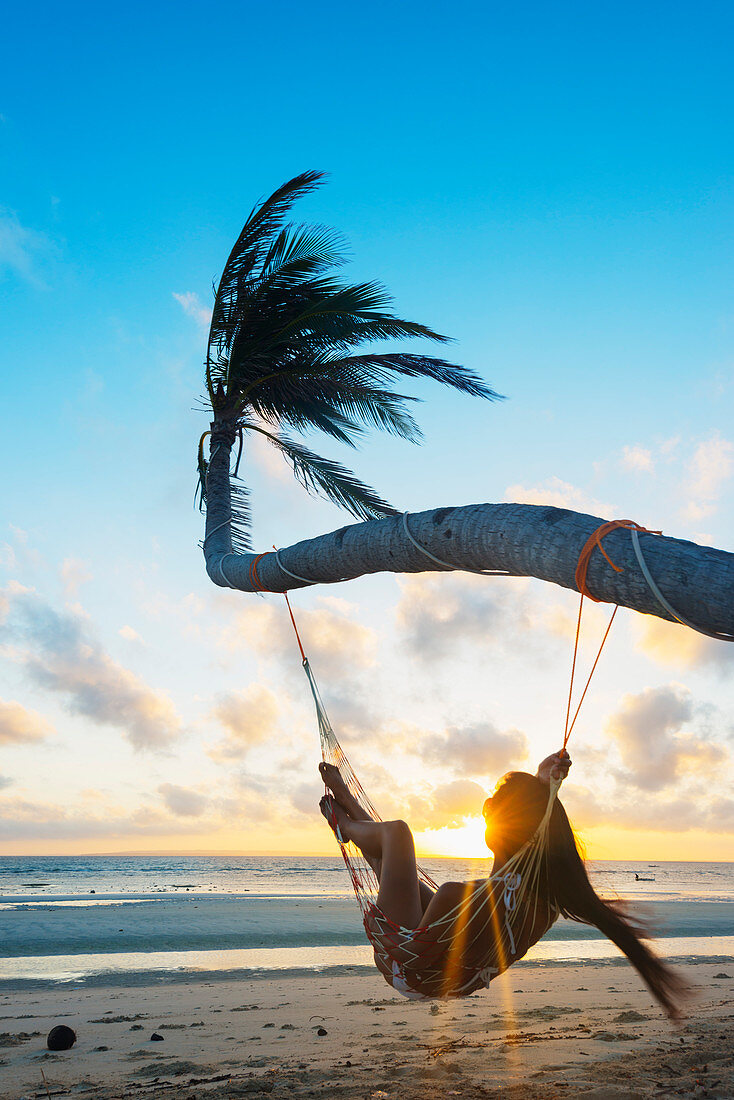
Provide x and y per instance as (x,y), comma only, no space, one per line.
(525,540)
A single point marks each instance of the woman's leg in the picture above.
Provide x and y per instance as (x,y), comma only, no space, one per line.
(333,780)
(390,842)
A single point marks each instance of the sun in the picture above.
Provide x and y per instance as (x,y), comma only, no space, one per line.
(464,842)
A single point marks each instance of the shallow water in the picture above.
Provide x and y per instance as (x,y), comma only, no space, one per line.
(129,968)
(125,919)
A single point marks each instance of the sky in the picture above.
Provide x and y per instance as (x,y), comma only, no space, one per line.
(549,184)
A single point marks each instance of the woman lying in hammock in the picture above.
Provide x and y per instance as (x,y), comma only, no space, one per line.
(454,940)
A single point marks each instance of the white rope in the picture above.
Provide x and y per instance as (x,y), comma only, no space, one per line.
(661,598)
(214,529)
(447,565)
(288,572)
(222,574)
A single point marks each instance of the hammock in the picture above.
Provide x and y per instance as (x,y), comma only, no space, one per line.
(499,917)
(433,956)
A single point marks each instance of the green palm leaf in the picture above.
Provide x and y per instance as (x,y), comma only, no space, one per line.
(282,348)
(330,479)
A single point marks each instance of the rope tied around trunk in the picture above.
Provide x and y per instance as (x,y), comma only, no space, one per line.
(595,541)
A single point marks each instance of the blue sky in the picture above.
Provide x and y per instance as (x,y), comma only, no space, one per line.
(549,184)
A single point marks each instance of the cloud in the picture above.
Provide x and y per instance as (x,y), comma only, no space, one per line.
(648,731)
(60,653)
(673,645)
(332,638)
(25,820)
(253,804)
(5,781)
(194,307)
(711,466)
(74,573)
(447,805)
(130,634)
(270,460)
(249,718)
(479,749)
(437,612)
(183,801)
(637,458)
(19,554)
(20,248)
(626,810)
(305,796)
(19,726)
(561,494)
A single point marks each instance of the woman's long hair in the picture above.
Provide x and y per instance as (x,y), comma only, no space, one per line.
(517,807)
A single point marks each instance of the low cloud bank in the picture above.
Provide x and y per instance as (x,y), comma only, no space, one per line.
(60,653)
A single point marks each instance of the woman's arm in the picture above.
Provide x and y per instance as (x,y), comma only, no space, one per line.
(554,767)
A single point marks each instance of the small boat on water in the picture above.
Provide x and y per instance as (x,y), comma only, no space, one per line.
(644,878)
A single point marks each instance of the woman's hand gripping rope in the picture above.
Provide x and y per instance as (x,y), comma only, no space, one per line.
(554,767)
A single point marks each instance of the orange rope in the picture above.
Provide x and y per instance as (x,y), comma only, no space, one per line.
(298,636)
(569,727)
(254,579)
(593,542)
(259,587)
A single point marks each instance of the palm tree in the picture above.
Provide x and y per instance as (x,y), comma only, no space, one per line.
(284,355)
(281,355)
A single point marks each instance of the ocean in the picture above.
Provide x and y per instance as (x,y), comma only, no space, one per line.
(34,879)
(93,919)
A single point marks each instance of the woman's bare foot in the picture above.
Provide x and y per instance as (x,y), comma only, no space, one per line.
(333,780)
(336,815)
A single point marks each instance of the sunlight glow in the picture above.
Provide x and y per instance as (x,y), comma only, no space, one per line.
(465,842)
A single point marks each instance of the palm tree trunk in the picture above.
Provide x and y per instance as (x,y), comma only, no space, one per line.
(522,539)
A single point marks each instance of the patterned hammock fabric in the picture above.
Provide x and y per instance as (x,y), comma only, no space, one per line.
(494,924)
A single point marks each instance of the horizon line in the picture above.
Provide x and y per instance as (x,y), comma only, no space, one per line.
(267,853)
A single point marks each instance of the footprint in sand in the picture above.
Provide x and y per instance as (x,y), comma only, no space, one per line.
(546,1012)
(172,1069)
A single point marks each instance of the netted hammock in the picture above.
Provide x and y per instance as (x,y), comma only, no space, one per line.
(479,938)
(499,917)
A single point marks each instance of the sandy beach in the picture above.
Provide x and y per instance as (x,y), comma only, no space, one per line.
(582,1030)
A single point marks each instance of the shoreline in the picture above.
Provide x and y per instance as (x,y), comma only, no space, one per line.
(143,968)
(175,976)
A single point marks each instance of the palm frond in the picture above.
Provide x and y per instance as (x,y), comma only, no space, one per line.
(299,399)
(308,414)
(299,252)
(325,478)
(283,351)
(352,314)
(411,365)
(252,244)
(239,496)
(263,223)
